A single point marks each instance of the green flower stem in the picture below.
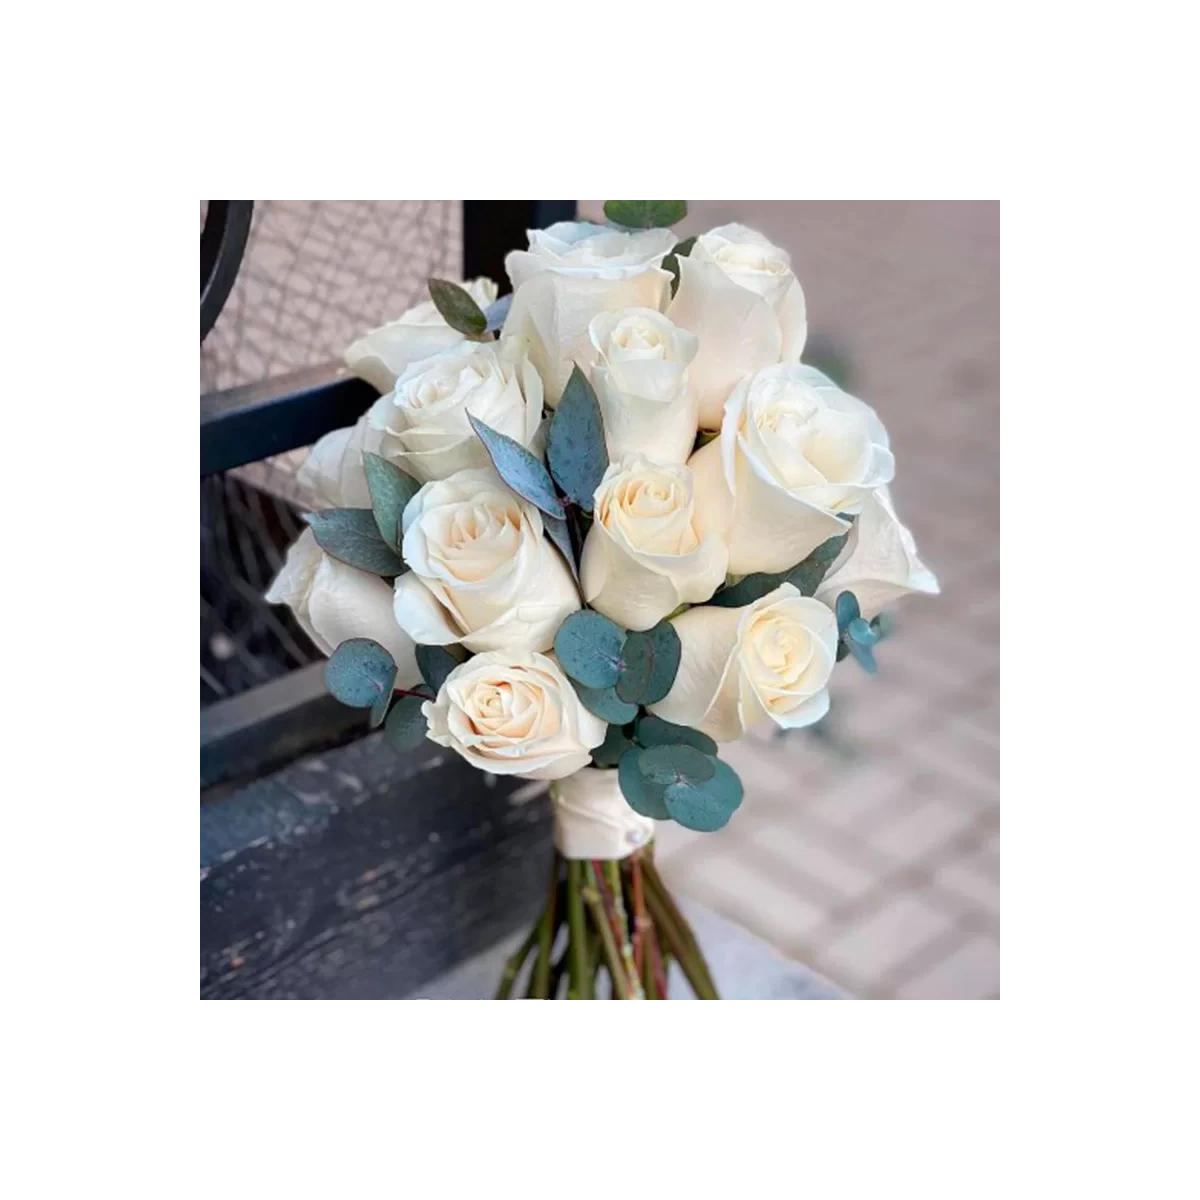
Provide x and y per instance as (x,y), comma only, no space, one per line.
(513,966)
(688,957)
(679,926)
(548,926)
(580,985)
(612,956)
(614,897)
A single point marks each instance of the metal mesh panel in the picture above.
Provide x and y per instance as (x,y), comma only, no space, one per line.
(316,275)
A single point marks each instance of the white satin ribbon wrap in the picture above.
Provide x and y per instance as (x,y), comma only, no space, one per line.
(592,818)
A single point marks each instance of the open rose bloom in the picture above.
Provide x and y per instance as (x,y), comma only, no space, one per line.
(591,545)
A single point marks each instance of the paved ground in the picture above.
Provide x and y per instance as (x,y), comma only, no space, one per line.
(872,850)
(873,853)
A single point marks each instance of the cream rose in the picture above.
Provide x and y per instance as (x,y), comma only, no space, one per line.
(879,563)
(641,381)
(739,666)
(513,712)
(422,424)
(333,602)
(481,573)
(795,455)
(333,471)
(571,272)
(381,356)
(738,294)
(643,557)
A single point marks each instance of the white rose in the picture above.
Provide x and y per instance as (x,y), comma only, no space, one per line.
(333,471)
(795,454)
(641,381)
(513,712)
(571,272)
(879,563)
(333,602)
(739,666)
(381,356)
(481,573)
(643,557)
(422,423)
(738,294)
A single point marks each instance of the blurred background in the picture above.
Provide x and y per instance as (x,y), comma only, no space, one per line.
(867,848)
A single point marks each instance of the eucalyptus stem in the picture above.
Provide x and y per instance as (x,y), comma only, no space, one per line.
(678,922)
(616,970)
(580,985)
(513,967)
(540,979)
(688,956)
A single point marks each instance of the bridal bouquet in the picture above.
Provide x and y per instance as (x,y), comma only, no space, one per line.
(588,532)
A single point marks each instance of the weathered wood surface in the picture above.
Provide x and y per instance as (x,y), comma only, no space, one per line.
(361,874)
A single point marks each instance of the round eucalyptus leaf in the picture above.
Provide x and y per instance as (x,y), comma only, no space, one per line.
(654,731)
(863,655)
(360,672)
(637,658)
(672,764)
(435,663)
(351,535)
(846,609)
(643,795)
(405,726)
(606,704)
(609,752)
(588,647)
(707,806)
(667,651)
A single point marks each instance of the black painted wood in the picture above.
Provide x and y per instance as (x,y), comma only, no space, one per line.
(222,246)
(361,874)
(256,731)
(491,228)
(242,425)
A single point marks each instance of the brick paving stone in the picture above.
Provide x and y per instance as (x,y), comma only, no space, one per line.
(882,940)
(971,971)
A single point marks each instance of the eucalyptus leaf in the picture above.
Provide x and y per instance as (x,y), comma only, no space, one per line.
(671,262)
(519,468)
(605,703)
(435,663)
(861,632)
(406,726)
(588,646)
(863,655)
(391,489)
(807,576)
(654,654)
(360,672)
(705,806)
(637,664)
(846,608)
(654,731)
(557,531)
(352,536)
(645,214)
(379,710)
(496,313)
(673,764)
(615,743)
(575,449)
(458,310)
(642,795)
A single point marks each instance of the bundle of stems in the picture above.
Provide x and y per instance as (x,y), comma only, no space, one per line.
(619,919)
